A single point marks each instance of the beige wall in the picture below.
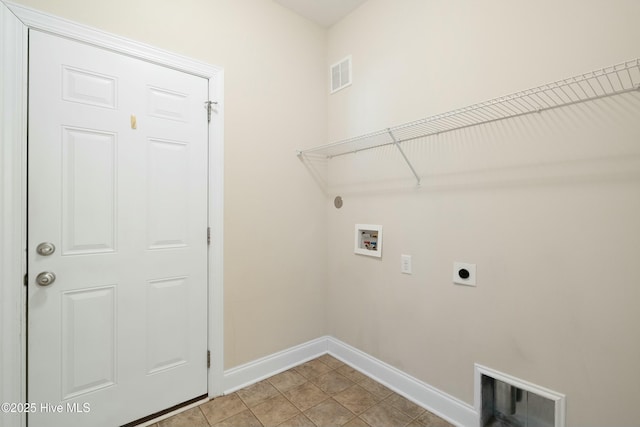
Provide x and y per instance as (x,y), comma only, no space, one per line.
(546,205)
(275,221)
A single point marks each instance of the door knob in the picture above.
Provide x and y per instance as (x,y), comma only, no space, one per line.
(45,278)
(46,248)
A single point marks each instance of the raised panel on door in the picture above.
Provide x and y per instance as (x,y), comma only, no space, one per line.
(167,104)
(168,193)
(167,319)
(89,87)
(89,191)
(88,340)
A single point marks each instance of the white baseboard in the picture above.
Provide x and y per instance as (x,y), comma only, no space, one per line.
(445,406)
(448,407)
(253,372)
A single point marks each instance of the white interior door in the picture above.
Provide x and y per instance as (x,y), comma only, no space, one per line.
(118,185)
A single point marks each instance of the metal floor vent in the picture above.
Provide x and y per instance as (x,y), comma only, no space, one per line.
(508,402)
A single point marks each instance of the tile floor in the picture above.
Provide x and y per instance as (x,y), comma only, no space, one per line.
(322,392)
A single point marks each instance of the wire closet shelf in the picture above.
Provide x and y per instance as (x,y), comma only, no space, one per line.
(609,81)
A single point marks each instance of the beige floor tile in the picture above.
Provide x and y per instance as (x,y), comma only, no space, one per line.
(405,405)
(384,415)
(375,388)
(313,368)
(257,393)
(323,392)
(329,414)
(332,382)
(222,408)
(352,374)
(356,422)
(275,411)
(305,396)
(287,380)
(190,418)
(356,399)
(320,393)
(243,419)
(299,420)
(330,361)
(428,419)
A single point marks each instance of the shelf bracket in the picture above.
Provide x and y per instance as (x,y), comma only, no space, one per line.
(397,144)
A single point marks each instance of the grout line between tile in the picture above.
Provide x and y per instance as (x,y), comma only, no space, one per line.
(203,415)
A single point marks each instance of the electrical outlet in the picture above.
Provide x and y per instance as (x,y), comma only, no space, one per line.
(464,274)
(405,264)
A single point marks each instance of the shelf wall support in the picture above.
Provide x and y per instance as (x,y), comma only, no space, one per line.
(397,144)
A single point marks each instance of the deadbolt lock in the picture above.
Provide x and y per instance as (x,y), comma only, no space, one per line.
(46,248)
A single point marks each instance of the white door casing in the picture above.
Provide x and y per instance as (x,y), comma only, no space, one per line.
(118,183)
(13,89)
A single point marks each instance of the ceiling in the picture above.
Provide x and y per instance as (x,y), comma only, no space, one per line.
(324,12)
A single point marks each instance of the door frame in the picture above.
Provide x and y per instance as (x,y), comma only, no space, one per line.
(13,205)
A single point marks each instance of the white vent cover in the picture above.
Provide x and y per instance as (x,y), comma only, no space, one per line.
(341,74)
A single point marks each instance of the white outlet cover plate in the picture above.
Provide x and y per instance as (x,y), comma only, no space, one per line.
(471,268)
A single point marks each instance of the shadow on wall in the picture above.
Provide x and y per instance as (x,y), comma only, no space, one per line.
(317,168)
(582,143)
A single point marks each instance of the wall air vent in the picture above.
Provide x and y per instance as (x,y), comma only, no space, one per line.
(341,74)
